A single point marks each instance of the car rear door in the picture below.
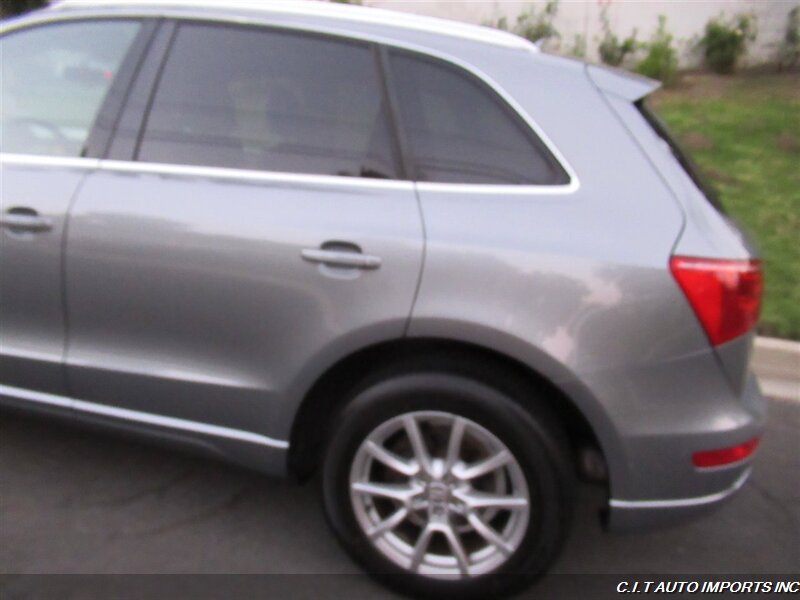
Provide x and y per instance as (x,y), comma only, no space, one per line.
(57,79)
(254,229)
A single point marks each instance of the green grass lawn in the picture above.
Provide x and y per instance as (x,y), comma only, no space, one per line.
(744,132)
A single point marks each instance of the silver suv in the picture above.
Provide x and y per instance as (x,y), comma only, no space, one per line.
(447,272)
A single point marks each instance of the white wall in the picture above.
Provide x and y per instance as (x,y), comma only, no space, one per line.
(686,19)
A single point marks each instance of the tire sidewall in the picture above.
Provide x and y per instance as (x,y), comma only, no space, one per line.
(529,438)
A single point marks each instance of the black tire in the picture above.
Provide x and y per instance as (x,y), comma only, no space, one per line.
(531,434)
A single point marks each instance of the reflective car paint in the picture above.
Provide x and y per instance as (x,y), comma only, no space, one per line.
(572,281)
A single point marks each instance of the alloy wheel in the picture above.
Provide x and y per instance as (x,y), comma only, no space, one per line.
(439,495)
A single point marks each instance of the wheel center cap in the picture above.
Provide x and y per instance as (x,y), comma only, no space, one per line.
(438,493)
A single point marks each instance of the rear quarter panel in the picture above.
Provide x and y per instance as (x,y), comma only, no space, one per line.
(574,284)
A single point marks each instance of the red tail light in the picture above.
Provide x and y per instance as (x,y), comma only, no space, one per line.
(724,456)
(725,294)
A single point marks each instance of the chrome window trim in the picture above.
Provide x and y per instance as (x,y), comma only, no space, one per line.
(683,502)
(40,160)
(498,189)
(141,417)
(459,188)
(122,166)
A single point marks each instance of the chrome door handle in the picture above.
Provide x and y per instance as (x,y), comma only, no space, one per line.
(339,258)
(16,220)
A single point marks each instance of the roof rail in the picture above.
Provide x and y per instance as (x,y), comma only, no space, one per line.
(357,14)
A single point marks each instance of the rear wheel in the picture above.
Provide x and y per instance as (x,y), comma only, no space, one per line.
(441,484)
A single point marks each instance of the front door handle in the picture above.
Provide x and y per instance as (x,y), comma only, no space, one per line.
(24,220)
(341,258)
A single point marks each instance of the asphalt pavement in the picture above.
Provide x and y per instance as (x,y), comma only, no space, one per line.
(76,501)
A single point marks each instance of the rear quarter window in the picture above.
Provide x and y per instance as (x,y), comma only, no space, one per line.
(461,131)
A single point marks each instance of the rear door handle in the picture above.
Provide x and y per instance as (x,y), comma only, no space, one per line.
(341,258)
(24,220)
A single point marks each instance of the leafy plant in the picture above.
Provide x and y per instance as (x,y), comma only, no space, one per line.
(538,26)
(613,51)
(661,60)
(723,42)
(501,23)
(530,24)
(789,52)
(578,48)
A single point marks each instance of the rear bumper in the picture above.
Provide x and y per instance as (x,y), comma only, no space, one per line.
(657,483)
(631,515)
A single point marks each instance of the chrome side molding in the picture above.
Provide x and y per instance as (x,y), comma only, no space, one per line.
(141,417)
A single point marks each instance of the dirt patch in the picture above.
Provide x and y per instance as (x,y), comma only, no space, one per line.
(720,176)
(699,85)
(694,85)
(697,141)
(788,143)
(754,125)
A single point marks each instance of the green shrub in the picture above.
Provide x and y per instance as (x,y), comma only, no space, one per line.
(789,52)
(532,25)
(501,23)
(538,26)
(723,42)
(613,51)
(661,60)
(578,48)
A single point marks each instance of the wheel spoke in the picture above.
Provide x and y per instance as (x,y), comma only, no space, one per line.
(477,500)
(489,534)
(392,460)
(483,467)
(402,493)
(417,443)
(421,547)
(454,445)
(457,548)
(388,523)
(438,494)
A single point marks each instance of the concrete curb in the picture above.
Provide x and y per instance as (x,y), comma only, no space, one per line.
(777,365)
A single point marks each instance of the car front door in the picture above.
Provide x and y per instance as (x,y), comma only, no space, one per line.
(258,229)
(56,79)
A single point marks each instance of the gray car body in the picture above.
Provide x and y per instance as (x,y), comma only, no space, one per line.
(174,302)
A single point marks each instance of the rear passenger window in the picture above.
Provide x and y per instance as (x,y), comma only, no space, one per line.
(459,131)
(261,99)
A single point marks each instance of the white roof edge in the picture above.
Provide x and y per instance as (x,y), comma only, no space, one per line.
(356,14)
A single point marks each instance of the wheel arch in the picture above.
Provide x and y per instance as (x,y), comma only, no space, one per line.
(329,392)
